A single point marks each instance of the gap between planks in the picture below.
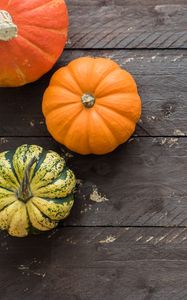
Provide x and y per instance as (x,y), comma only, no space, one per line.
(121,226)
(127,49)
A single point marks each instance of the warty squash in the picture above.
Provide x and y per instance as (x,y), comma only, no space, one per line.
(36,190)
(91,105)
(33,34)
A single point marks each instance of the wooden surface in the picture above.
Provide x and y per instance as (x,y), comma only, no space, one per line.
(96,263)
(128,24)
(131,244)
(161,78)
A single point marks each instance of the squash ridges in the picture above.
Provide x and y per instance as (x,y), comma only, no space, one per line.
(11,153)
(41,6)
(7,205)
(44,53)
(41,159)
(20,218)
(68,198)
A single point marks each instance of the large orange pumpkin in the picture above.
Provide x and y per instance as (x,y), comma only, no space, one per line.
(32,36)
(91,105)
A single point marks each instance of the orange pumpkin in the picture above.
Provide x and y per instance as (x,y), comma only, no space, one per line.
(91,105)
(33,34)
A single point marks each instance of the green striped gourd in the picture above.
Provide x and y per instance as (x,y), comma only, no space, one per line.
(36,190)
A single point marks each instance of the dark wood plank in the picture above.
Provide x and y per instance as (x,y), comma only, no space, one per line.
(161,78)
(95,263)
(142,183)
(127,24)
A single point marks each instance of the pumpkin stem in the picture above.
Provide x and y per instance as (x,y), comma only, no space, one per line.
(24,192)
(88,100)
(8,30)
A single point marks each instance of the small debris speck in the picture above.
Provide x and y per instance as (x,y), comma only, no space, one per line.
(172,142)
(32,123)
(149,239)
(23,267)
(177,58)
(127,60)
(70,241)
(40,274)
(68,42)
(163,141)
(79,182)
(131,140)
(68,155)
(109,239)
(151,118)
(179,132)
(96,196)
(3,141)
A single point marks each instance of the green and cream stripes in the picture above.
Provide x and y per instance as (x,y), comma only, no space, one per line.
(51,184)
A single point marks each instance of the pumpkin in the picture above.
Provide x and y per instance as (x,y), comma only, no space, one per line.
(91,105)
(32,36)
(36,190)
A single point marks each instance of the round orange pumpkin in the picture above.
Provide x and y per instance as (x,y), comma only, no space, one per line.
(91,105)
(33,34)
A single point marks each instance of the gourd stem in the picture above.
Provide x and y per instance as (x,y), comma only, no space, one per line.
(8,30)
(24,192)
(88,100)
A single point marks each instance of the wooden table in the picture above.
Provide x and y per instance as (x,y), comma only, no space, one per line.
(132,245)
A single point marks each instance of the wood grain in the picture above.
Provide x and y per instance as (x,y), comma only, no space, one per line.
(126,238)
(95,263)
(142,183)
(127,24)
(161,78)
